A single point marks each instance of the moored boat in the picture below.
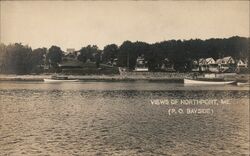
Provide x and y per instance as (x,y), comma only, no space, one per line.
(59,79)
(54,80)
(243,84)
(207,82)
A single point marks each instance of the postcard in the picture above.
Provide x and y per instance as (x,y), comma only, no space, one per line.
(124,78)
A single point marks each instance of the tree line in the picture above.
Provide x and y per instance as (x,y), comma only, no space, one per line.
(21,59)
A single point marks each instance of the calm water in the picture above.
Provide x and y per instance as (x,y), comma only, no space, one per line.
(119,118)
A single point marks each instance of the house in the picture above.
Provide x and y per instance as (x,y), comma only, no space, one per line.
(202,64)
(195,66)
(210,60)
(201,61)
(141,64)
(167,65)
(207,64)
(113,62)
(241,64)
(212,65)
(226,60)
(70,50)
(225,63)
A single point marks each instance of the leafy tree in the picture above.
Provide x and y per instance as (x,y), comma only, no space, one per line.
(54,55)
(110,52)
(97,59)
(38,56)
(37,59)
(88,53)
(15,58)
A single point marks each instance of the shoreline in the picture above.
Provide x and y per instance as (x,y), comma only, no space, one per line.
(89,78)
(175,77)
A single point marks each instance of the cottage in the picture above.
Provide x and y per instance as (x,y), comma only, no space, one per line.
(202,64)
(207,64)
(141,64)
(241,64)
(201,61)
(226,60)
(167,65)
(195,66)
(225,63)
(113,62)
(210,60)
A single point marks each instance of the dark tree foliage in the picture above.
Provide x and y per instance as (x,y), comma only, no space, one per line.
(88,53)
(19,59)
(38,59)
(97,59)
(54,55)
(128,53)
(110,52)
(182,53)
(15,59)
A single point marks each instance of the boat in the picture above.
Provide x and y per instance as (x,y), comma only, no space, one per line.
(243,84)
(54,80)
(59,79)
(207,81)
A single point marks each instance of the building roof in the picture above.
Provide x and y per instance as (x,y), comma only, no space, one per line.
(224,60)
(70,50)
(218,61)
(240,61)
(209,59)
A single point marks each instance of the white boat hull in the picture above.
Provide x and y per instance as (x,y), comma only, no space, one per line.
(188,81)
(243,84)
(54,80)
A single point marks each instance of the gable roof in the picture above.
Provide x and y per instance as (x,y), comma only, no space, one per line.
(218,61)
(210,59)
(225,60)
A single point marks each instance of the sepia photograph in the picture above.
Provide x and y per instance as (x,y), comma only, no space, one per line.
(124,78)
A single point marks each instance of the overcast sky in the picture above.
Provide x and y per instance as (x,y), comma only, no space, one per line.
(74,24)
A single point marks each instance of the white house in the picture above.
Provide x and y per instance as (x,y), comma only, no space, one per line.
(141,65)
(225,63)
(210,60)
(226,60)
(212,65)
(207,64)
(241,64)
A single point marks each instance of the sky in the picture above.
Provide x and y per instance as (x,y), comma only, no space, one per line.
(75,24)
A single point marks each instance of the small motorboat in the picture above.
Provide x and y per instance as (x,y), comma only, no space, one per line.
(59,79)
(207,81)
(243,84)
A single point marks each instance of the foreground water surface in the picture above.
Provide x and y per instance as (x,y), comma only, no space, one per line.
(119,118)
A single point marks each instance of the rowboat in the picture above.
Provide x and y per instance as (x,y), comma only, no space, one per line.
(207,82)
(55,80)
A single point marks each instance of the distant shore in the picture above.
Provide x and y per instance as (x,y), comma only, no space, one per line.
(128,77)
(88,78)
